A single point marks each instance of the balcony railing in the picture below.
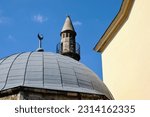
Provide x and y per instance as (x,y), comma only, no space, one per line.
(59,49)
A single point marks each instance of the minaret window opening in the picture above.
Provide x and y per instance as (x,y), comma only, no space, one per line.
(67,34)
(63,35)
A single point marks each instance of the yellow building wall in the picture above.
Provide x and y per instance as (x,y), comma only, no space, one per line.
(126,60)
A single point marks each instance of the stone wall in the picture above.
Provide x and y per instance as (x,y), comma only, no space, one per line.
(26,93)
(10,97)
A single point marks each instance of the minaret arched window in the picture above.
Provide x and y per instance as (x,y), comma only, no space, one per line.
(66,34)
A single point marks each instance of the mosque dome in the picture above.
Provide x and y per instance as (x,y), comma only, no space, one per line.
(51,71)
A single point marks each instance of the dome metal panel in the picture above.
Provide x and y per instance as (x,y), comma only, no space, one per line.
(50,71)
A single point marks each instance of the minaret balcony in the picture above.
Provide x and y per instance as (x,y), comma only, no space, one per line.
(76,49)
(72,51)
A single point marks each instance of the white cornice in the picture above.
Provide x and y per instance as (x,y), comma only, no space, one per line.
(115,26)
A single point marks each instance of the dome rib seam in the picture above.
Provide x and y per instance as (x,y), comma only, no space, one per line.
(60,71)
(25,71)
(4,60)
(1,63)
(10,69)
(76,77)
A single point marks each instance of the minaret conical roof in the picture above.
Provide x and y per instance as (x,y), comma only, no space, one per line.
(68,25)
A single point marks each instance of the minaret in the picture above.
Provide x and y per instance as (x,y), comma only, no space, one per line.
(68,45)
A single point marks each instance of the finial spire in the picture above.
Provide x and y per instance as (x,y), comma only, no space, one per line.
(68,25)
(40,37)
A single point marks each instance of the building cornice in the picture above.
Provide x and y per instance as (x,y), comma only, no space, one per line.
(31,90)
(115,26)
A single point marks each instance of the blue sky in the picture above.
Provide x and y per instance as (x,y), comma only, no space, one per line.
(22,20)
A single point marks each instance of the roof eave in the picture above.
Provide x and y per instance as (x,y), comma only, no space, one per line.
(115,26)
(16,90)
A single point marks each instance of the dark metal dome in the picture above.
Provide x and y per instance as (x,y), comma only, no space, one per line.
(49,71)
